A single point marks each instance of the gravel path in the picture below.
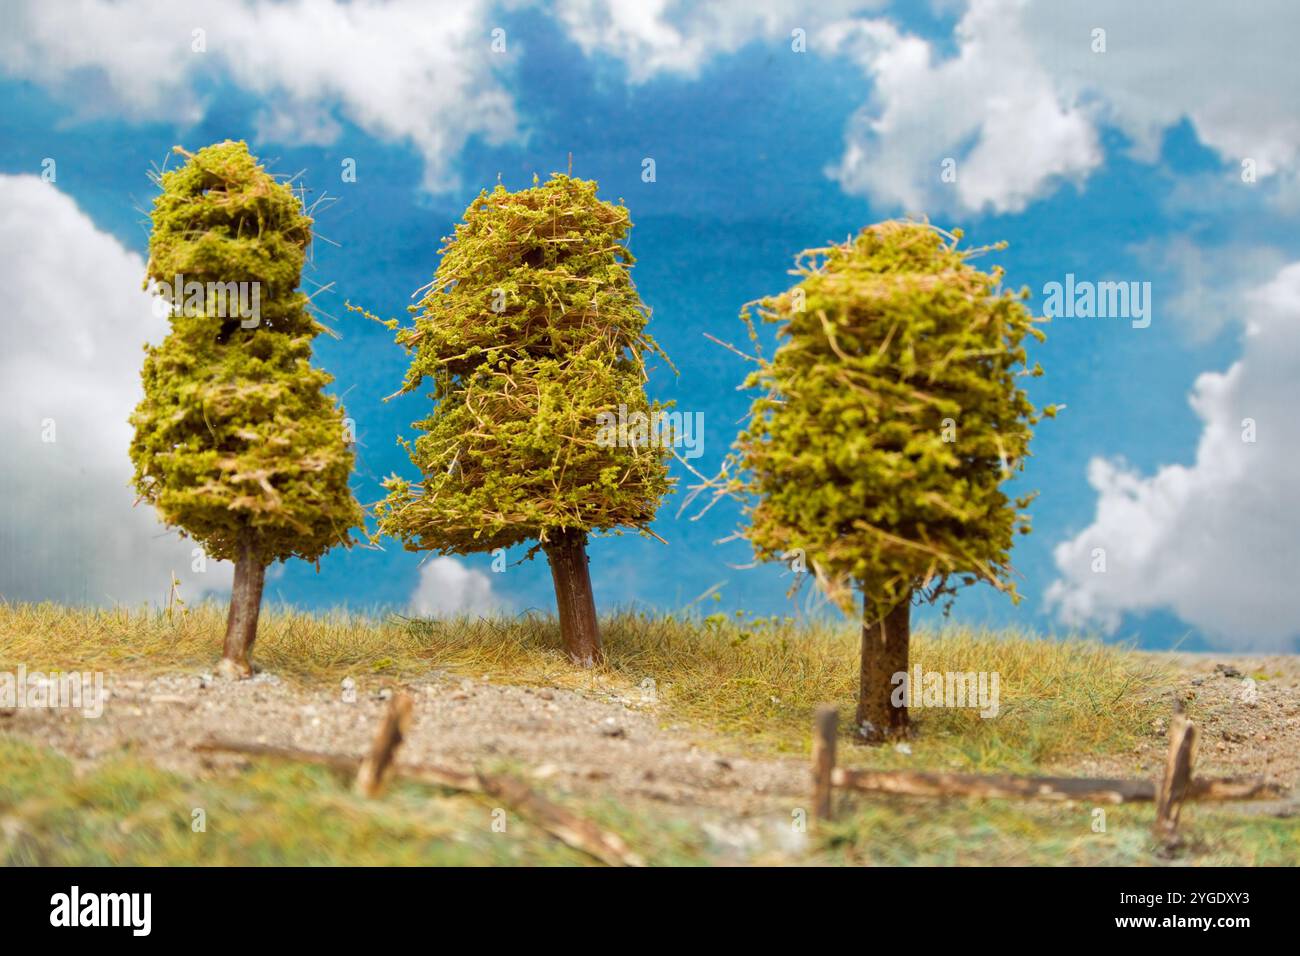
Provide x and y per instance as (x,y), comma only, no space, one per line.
(602,744)
(587,744)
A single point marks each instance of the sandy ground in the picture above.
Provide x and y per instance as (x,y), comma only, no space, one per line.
(595,744)
(1247,710)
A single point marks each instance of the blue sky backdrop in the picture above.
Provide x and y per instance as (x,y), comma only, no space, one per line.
(1167,156)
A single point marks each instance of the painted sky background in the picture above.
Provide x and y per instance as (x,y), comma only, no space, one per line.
(1168,158)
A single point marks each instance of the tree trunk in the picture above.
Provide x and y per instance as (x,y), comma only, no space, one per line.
(567,552)
(245,605)
(884,653)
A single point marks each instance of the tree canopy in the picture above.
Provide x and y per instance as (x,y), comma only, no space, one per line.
(890,416)
(530,330)
(235,434)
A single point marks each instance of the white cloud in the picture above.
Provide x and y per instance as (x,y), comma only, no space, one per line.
(1229,71)
(1021,102)
(1217,542)
(661,36)
(447,588)
(994,108)
(75,322)
(1211,280)
(401,71)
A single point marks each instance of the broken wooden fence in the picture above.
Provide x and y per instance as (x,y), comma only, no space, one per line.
(373,771)
(1175,786)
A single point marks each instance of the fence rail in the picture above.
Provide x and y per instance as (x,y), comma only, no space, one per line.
(1175,786)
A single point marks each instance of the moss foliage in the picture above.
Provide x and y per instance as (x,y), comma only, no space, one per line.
(235,432)
(891,418)
(530,329)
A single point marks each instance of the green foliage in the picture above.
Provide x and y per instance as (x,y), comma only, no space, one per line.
(235,433)
(891,418)
(529,331)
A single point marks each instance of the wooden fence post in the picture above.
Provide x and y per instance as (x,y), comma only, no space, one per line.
(374,768)
(1177,777)
(823,759)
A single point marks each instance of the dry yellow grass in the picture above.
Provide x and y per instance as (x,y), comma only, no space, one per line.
(756,681)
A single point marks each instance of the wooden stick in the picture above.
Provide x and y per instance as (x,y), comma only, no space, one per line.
(373,772)
(344,764)
(823,759)
(577,832)
(340,762)
(940,784)
(1100,790)
(1234,788)
(566,826)
(1178,774)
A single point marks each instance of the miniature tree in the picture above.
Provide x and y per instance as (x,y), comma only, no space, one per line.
(890,421)
(235,442)
(531,334)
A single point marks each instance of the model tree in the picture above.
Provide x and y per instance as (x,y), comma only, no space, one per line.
(236,443)
(890,420)
(529,334)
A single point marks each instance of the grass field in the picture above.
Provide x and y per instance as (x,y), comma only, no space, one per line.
(751,684)
(126,812)
(756,681)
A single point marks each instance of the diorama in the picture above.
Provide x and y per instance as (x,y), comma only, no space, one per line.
(588,434)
